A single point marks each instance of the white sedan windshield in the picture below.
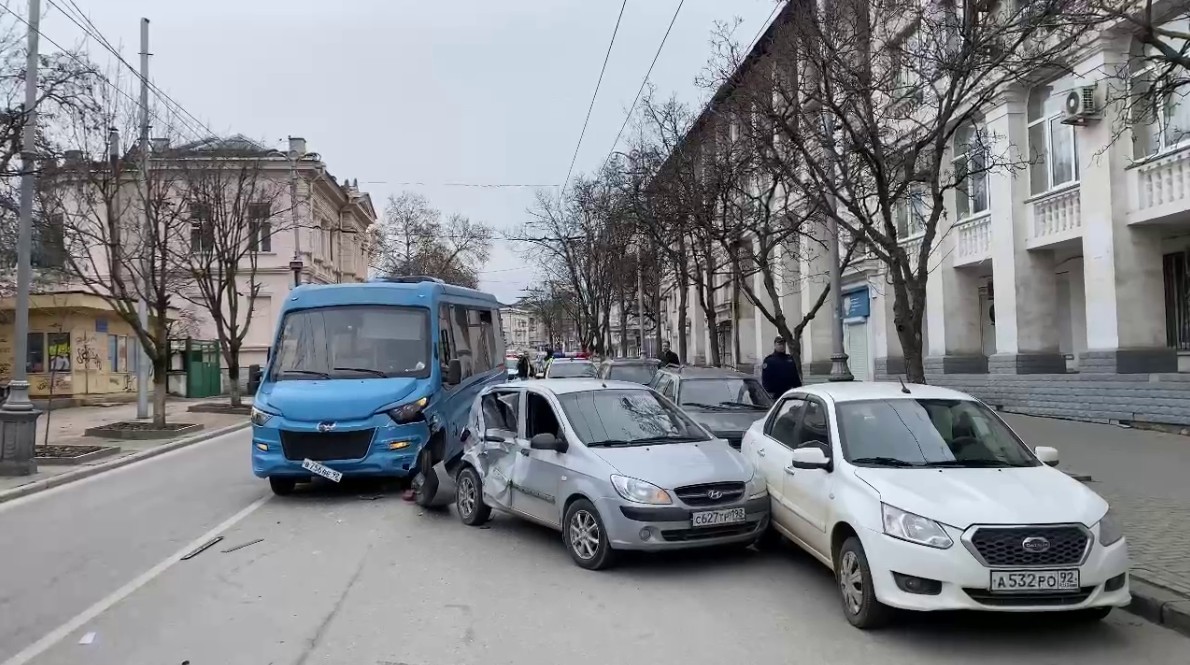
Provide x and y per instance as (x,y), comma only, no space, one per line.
(928,432)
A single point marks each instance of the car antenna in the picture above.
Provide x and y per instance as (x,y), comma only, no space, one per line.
(904,388)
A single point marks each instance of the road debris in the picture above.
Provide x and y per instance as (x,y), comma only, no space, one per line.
(87,639)
(202,548)
(243,545)
(370,497)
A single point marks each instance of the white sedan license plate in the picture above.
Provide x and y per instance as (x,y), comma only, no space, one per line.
(718,517)
(322,470)
(1021,581)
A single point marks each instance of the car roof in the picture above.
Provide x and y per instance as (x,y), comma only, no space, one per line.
(631,361)
(564,386)
(696,372)
(573,360)
(855,391)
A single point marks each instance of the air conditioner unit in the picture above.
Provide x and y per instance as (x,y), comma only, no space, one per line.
(1080,107)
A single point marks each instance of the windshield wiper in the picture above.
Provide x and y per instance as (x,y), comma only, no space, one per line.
(307,372)
(747,405)
(884,461)
(700,405)
(974,464)
(365,370)
(644,442)
(609,443)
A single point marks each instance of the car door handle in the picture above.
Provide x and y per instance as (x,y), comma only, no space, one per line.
(523,451)
(790,470)
(760,451)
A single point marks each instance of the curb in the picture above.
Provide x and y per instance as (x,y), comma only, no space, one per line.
(1159,605)
(96,469)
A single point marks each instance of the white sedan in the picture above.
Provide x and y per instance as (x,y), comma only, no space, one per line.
(922,498)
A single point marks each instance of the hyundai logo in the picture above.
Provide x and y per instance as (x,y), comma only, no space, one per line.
(714,495)
(328,426)
(1035,544)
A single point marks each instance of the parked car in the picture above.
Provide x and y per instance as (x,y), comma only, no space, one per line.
(570,368)
(636,370)
(923,498)
(724,401)
(510,367)
(611,465)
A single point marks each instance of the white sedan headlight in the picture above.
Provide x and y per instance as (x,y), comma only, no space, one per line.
(914,528)
(1110,530)
(757,487)
(638,491)
(260,417)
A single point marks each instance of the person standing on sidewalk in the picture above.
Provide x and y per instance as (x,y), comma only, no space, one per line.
(779,371)
(668,357)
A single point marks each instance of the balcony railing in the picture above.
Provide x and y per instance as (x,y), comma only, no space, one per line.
(973,241)
(1055,217)
(1160,187)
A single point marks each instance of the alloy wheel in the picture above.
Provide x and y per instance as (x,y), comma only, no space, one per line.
(851,582)
(584,534)
(466,496)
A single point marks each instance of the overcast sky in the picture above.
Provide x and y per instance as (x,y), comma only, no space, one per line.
(427,91)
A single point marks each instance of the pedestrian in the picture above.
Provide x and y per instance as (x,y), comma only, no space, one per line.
(668,357)
(522,366)
(779,372)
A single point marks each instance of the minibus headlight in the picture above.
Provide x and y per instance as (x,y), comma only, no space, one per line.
(408,413)
(260,417)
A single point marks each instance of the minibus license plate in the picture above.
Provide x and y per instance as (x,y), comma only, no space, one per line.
(322,470)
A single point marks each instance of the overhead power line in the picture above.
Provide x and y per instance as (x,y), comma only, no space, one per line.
(591,106)
(643,83)
(486,185)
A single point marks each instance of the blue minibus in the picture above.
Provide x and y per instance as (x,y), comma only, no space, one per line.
(374,379)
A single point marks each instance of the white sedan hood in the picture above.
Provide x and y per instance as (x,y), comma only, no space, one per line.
(962,497)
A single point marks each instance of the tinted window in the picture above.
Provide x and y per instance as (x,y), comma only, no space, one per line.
(926,432)
(619,417)
(571,370)
(637,373)
(724,392)
(783,426)
(353,342)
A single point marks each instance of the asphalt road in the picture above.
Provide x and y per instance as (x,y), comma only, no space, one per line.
(88,573)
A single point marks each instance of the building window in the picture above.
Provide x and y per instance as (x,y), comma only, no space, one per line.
(1177,301)
(1053,146)
(48,352)
(49,243)
(910,212)
(1160,111)
(971,170)
(202,229)
(260,229)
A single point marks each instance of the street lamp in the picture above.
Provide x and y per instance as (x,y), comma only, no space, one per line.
(296,153)
(18,417)
(839,369)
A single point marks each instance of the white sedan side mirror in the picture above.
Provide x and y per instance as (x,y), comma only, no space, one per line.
(1047,455)
(809,457)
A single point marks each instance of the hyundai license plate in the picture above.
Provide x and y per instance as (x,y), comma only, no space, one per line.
(322,470)
(1021,581)
(717,517)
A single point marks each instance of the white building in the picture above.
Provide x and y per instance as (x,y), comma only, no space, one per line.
(1060,290)
(522,329)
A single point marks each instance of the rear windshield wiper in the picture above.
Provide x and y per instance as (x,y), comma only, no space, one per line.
(307,372)
(365,370)
(884,461)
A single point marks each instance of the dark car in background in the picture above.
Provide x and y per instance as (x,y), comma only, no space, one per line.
(724,401)
(636,370)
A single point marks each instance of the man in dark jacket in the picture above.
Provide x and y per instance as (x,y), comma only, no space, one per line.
(522,366)
(779,371)
(668,357)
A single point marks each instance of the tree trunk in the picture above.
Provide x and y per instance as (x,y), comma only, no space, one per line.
(233,377)
(160,385)
(735,321)
(623,350)
(908,306)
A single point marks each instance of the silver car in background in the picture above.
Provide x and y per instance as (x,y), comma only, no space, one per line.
(611,464)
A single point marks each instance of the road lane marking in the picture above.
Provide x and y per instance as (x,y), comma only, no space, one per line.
(140,464)
(61,632)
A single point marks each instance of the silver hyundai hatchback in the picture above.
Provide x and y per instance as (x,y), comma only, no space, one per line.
(613,465)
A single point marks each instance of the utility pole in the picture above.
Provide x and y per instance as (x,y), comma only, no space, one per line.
(142,306)
(297,150)
(18,418)
(839,369)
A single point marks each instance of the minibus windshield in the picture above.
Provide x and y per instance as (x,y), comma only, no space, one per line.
(353,342)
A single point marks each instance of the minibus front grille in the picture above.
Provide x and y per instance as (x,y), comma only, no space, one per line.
(324,446)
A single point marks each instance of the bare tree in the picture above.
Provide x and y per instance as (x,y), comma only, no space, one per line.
(869,97)
(235,207)
(414,239)
(122,227)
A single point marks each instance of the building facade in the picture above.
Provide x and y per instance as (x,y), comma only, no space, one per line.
(1061,289)
(522,330)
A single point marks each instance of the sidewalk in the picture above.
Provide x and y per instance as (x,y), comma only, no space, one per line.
(66,427)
